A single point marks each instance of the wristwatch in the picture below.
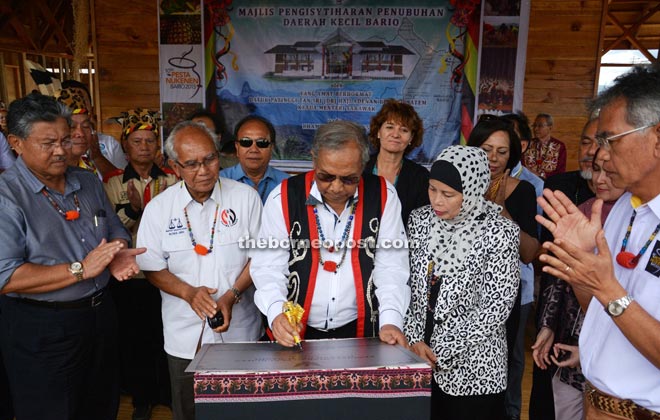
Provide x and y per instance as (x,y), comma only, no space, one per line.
(616,307)
(76,268)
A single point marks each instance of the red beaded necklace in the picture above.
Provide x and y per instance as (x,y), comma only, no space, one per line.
(628,259)
(69,214)
(329,265)
(199,248)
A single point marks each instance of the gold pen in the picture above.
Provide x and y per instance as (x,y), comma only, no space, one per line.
(294,313)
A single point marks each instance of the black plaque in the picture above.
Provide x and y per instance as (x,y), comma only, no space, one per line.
(358,353)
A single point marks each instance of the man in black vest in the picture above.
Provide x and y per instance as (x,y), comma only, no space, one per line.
(333,241)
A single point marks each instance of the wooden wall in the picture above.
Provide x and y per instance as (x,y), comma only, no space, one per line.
(560,73)
(127,51)
(562,56)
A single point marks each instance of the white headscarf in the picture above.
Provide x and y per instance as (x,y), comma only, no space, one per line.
(451,240)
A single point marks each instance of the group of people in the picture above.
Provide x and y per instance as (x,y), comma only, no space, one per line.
(95,251)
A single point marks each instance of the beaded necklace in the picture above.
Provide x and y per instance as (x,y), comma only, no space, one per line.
(628,259)
(69,214)
(332,266)
(494,188)
(201,249)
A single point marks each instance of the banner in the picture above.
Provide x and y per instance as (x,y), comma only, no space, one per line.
(502,56)
(302,66)
(181,55)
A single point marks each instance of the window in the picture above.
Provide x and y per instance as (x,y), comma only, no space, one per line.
(617,62)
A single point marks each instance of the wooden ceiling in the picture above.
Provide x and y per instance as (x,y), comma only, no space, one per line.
(46,26)
(42,27)
(632,24)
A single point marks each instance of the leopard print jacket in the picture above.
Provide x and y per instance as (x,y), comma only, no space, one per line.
(468,338)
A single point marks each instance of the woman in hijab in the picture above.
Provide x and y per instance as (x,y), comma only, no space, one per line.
(464,279)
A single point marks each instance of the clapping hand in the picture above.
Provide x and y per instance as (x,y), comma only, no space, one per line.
(123,266)
(566,222)
(133,196)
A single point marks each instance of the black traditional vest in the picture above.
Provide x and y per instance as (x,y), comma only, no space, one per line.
(304,258)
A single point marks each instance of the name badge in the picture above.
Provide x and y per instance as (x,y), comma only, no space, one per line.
(653,265)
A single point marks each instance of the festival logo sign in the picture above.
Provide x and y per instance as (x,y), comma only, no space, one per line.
(181,60)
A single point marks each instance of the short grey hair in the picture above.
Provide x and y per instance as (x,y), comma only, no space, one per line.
(640,89)
(547,117)
(23,113)
(169,143)
(336,134)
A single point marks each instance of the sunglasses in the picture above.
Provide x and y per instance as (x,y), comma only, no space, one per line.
(261,143)
(346,180)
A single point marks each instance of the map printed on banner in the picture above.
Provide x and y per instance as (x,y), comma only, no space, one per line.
(302,66)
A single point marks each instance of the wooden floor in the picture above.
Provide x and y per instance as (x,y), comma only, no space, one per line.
(163,413)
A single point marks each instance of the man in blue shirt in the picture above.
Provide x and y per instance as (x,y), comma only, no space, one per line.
(255,140)
(61,242)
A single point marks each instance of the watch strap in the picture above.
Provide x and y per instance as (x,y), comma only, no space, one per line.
(623,302)
(77,273)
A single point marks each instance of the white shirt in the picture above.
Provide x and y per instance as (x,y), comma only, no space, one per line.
(163,231)
(334,303)
(111,150)
(608,359)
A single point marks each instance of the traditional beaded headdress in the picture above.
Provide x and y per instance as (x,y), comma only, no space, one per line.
(75,99)
(138,119)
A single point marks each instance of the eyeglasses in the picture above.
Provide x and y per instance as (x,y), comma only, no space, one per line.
(193,166)
(261,143)
(346,180)
(604,141)
(51,145)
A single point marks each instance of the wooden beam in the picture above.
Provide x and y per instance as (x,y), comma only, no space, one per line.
(60,17)
(9,18)
(62,39)
(18,27)
(628,33)
(601,40)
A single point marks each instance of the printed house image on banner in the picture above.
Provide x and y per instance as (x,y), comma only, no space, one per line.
(339,57)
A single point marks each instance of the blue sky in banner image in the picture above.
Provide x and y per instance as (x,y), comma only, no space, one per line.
(301,66)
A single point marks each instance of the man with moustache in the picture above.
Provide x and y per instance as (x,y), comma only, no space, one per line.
(614,270)
(346,290)
(192,233)
(578,187)
(255,141)
(61,243)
